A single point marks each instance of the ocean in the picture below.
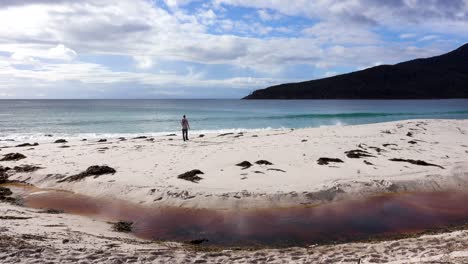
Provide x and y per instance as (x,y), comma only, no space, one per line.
(34,119)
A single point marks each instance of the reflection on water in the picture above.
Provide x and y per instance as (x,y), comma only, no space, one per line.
(342,221)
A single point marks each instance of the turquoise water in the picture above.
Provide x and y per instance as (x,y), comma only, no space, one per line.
(35,118)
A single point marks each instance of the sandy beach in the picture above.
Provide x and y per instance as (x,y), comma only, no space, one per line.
(267,169)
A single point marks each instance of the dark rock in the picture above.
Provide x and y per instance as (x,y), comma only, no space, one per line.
(263,162)
(259,172)
(102,140)
(171,135)
(48,135)
(244,165)
(26,168)
(27,145)
(357,154)
(387,145)
(304,140)
(122,226)
(417,162)
(121,138)
(140,137)
(84,139)
(326,161)
(64,146)
(65,241)
(91,171)
(191,176)
(412,142)
(368,163)
(409,134)
(60,141)
(13,157)
(198,241)
(201,135)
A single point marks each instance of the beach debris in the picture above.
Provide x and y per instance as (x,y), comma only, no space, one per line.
(13,157)
(26,168)
(123,226)
(377,149)
(9,217)
(3,177)
(102,140)
(84,139)
(140,137)
(5,196)
(52,211)
(325,195)
(60,141)
(273,169)
(326,161)
(259,172)
(121,138)
(387,145)
(368,163)
(191,176)
(263,162)
(304,140)
(197,241)
(409,134)
(245,165)
(5,192)
(171,135)
(225,134)
(64,146)
(4,169)
(150,139)
(386,132)
(417,162)
(201,135)
(95,171)
(413,142)
(357,154)
(48,135)
(27,145)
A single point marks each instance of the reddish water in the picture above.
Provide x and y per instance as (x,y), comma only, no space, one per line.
(342,221)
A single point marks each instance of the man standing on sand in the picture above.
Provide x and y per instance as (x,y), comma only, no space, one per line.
(185,128)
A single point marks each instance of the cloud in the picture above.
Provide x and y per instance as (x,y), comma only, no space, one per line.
(47,42)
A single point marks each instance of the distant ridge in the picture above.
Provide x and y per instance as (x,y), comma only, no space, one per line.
(440,77)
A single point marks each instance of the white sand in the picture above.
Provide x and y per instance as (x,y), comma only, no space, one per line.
(147,173)
(147,170)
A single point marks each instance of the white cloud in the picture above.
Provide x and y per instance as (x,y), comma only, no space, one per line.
(60,52)
(266,15)
(345,35)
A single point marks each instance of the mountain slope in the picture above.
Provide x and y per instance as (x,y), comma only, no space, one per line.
(444,76)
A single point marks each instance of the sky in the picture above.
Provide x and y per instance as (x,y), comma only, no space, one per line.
(212,48)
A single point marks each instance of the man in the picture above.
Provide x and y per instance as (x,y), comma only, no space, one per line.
(185,128)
